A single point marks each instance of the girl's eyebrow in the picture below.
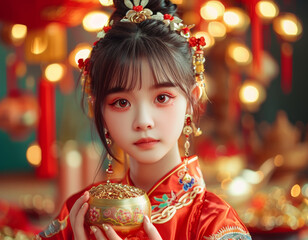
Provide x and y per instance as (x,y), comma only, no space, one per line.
(162,85)
(116,90)
(155,86)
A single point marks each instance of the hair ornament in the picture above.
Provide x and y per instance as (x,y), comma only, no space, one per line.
(83,65)
(102,33)
(137,12)
(105,29)
(197,44)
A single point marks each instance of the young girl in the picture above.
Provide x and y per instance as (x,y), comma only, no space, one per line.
(142,86)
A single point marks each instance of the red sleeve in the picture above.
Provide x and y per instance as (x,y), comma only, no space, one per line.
(60,228)
(219,221)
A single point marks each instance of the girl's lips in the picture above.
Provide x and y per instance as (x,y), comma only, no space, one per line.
(146,143)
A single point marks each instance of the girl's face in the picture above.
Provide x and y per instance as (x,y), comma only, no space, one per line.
(147,122)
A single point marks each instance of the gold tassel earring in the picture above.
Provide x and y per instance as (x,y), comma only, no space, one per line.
(109,170)
(186,180)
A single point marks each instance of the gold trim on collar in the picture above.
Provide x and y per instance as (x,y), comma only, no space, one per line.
(172,172)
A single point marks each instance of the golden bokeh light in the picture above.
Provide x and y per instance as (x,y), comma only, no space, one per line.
(236,20)
(278,160)
(82,50)
(249,94)
(288,27)
(106,2)
(95,21)
(217,29)
(239,53)
(267,10)
(54,72)
(82,53)
(19,31)
(231,18)
(34,155)
(212,10)
(295,191)
(39,45)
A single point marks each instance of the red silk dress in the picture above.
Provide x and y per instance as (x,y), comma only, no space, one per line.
(180,210)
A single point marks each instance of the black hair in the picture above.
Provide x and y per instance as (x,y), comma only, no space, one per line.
(120,53)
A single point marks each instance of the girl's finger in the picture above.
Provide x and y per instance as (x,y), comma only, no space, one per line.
(110,233)
(150,230)
(79,232)
(77,205)
(98,233)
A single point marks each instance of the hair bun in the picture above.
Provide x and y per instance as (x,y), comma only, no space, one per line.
(163,6)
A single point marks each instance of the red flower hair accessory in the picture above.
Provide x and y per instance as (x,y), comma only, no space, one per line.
(138,8)
(198,43)
(168,17)
(105,29)
(84,65)
(86,83)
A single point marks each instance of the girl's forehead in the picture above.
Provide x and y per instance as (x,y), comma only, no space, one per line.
(141,73)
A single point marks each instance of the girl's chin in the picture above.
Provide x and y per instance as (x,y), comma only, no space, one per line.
(149,158)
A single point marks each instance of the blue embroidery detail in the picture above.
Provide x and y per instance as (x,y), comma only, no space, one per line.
(187,185)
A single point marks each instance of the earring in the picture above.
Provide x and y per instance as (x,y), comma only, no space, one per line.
(185,179)
(109,170)
(187,130)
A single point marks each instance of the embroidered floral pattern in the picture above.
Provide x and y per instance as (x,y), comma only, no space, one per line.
(230,233)
(169,207)
(187,182)
(185,179)
(124,215)
(138,215)
(165,201)
(94,214)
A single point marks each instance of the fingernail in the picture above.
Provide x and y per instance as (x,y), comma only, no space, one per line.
(105,227)
(84,205)
(93,229)
(85,193)
(147,220)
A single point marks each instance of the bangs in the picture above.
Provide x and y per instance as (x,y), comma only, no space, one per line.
(125,73)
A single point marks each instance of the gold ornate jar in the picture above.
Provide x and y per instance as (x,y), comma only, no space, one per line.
(121,206)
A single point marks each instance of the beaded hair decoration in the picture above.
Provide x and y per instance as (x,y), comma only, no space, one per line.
(138,13)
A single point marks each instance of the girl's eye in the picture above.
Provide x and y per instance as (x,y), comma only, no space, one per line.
(121,103)
(162,98)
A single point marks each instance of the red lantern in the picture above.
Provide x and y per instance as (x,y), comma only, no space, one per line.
(18,115)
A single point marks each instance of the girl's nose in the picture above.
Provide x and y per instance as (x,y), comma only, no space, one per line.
(143,120)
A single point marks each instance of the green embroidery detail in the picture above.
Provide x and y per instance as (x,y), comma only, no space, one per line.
(164,201)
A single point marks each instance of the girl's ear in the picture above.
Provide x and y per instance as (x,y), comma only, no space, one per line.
(196,92)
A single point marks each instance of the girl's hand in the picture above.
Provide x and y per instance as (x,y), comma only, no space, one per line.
(149,228)
(77,215)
